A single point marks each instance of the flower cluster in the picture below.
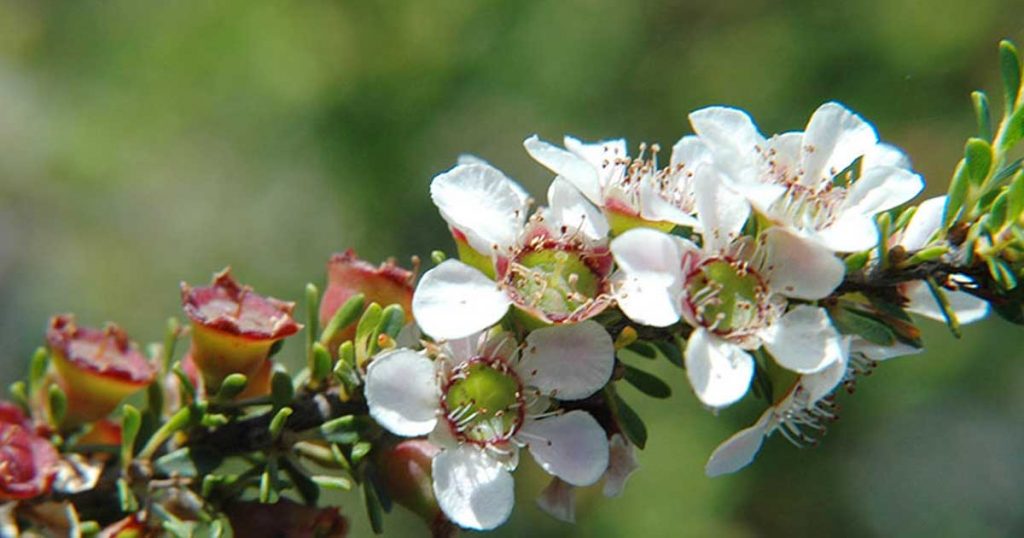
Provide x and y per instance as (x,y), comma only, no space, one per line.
(781,267)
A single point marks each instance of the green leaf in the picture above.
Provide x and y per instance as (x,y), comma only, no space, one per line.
(393,320)
(644,349)
(277,423)
(126,497)
(360,450)
(332,482)
(321,363)
(996,216)
(281,389)
(1015,198)
(1014,130)
(671,352)
(268,491)
(58,405)
(346,315)
(304,484)
(927,255)
(982,114)
(19,394)
(947,310)
(374,509)
(1009,64)
(630,422)
(957,195)
(369,324)
(345,430)
(232,386)
(861,324)
(188,462)
(646,383)
(312,321)
(37,368)
(1002,273)
(171,334)
(131,419)
(978,156)
(184,383)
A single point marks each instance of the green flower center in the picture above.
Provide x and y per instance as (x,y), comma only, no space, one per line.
(483,401)
(728,297)
(554,282)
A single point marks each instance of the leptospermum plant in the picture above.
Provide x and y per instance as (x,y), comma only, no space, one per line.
(776,268)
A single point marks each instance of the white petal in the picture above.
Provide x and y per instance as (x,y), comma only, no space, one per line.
(608,157)
(804,340)
(800,267)
(787,150)
(568,362)
(572,446)
(877,352)
(655,208)
(923,225)
(721,211)
(402,392)
(739,450)
(821,384)
(881,188)
(719,371)
(834,138)
(967,307)
(621,465)
(568,208)
(482,203)
(474,490)
(454,300)
(649,280)
(732,138)
(558,500)
(688,152)
(564,163)
(851,233)
(885,155)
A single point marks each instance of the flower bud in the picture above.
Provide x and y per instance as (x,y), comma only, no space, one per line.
(405,473)
(96,369)
(28,462)
(130,527)
(102,432)
(348,275)
(286,518)
(233,328)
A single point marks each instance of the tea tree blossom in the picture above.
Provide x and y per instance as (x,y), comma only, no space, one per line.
(553,266)
(825,183)
(733,292)
(483,398)
(632,192)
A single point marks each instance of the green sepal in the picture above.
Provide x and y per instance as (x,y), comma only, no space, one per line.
(647,383)
(346,315)
(978,156)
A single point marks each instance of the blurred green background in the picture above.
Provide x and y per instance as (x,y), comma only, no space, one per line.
(142,143)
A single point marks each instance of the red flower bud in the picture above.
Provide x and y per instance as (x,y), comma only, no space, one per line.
(286,518)
(233,328)
(28,462)
(348,275)
(404,470)
(97,369)
(129,527)
(102,432)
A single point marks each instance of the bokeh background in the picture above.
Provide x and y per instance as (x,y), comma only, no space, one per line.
(142,143)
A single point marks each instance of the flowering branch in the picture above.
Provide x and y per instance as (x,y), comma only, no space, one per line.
(781,267)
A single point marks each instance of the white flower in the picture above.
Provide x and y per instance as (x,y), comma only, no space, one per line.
(631,191)
(918,234)
(553,266)
(733,291)
(483,399)
(559,498)
(790,178)
(804,407)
